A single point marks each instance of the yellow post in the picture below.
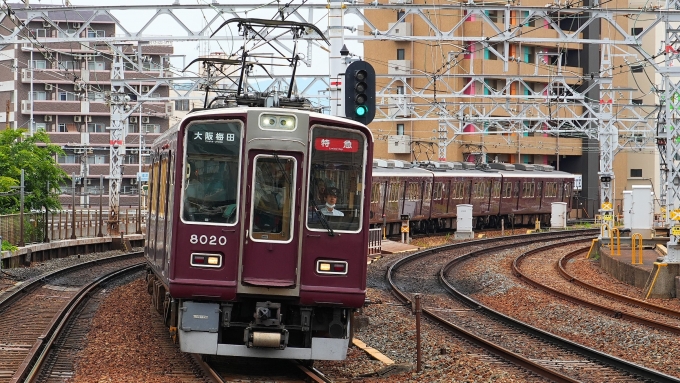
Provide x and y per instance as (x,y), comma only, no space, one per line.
(658,266)
(615,234)
(592,245)
(608,230)
(636,239)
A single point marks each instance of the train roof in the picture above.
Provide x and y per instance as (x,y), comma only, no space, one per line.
(244,109)
(388,168)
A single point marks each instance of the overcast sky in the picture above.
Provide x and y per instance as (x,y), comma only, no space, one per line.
(165,25)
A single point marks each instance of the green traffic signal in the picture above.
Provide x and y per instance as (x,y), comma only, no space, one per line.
(361,110)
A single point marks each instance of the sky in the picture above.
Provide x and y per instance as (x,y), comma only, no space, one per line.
(165,25)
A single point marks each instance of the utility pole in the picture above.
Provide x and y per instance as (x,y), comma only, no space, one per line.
(117,143)
(7,114)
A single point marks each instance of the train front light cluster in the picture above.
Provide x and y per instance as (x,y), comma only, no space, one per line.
(277,122)
(206,260)
(331,267)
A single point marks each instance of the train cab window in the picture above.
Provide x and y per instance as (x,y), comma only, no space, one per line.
(273,191)
(211,179)
(336,183)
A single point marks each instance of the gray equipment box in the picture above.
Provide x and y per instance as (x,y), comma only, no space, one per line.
(198,316)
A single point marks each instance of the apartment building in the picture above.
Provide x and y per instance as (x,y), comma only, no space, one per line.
(489,85)
(63,88)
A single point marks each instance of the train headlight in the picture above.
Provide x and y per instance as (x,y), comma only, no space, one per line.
(277,122)
(331,267)
(206,260)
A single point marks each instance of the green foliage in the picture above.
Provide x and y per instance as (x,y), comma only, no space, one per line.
(6,246)
(36,155)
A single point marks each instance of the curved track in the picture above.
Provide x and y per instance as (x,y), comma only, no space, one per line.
(543,354)
(617,306)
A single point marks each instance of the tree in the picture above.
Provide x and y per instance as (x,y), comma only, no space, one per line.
(36,155)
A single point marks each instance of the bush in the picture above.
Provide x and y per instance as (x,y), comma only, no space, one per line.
(6,246)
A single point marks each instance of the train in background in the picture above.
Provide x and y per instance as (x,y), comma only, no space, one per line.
(429,192)
(246,255)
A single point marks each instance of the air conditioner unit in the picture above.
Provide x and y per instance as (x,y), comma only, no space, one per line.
(133,181)
(146,89)
(76,25)
(145,120)
(88,118)
(77,87)
(48,86)
(77,119)
(89,181)
(48,118)
(133,120)
(46,24)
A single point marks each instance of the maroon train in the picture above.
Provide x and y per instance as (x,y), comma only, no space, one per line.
(244,257)
(429,193)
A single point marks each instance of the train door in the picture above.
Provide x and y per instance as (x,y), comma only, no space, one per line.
(270,256)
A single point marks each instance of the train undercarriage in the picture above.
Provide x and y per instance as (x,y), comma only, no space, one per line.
(431,226)
(254,327)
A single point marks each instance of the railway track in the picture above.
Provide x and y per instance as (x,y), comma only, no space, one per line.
(535,350)
(31,312)
(233,369)
(615,305)
(46,321)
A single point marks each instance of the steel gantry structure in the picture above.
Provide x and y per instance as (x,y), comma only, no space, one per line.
(585,104)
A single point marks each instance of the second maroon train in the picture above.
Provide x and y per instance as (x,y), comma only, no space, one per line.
(429,193)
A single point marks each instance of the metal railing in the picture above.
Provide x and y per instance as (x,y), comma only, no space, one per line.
(375,241)
(58,225)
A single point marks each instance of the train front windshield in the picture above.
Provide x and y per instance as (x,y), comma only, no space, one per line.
(336,183)
(210,188)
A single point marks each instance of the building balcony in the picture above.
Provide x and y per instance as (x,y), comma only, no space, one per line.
(542,144)
(528,71)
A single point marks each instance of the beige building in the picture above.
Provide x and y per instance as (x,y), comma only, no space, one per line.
(475,77)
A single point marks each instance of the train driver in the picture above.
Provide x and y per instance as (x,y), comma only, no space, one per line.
(331,199)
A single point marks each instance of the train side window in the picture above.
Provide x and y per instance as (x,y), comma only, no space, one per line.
(154,188)
(438,191)
(507,190)
(496,191)
(163,187)
(376,192)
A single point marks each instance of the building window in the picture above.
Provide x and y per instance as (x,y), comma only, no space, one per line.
(635,31)
(39,32)
(67,96)
(400,89)
(132,158)
(400,129)
(95,127)
(95,65)
(636,101)
(401,54)
(40,126)
(635,173)
(182,105)
(39,96)
(91,33)
(61,128)
(98,159)
(66,159)
(400,14)
(69,32)
(39,64)
(151,128)
(96,96)
(68,65)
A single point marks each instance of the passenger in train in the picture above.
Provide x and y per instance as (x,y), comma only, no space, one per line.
(331,199)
